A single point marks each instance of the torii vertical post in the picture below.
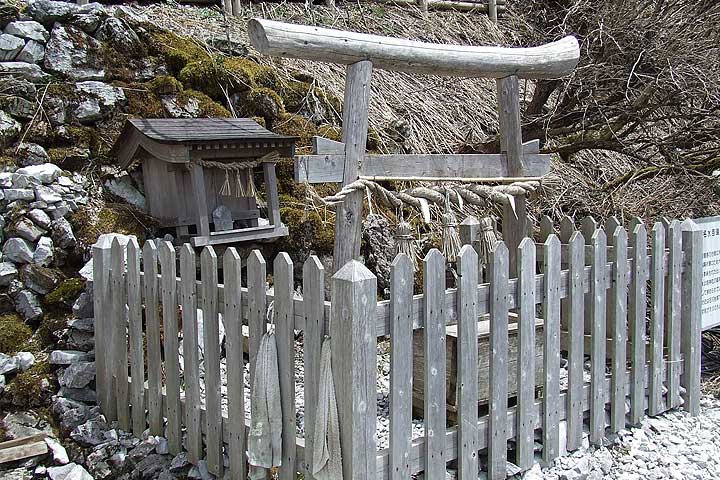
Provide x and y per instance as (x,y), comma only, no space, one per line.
(348,216)
(514,220)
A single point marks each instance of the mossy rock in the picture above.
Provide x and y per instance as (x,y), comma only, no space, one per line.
(208,107)
(165,85)
(265,102)
(177,51)
(66,293)
(53,324)
(143,103)
(89,223)
(310,101)
(308,231)
(33,387)
(298,126)
(13,333)
(331,132)
(215,75)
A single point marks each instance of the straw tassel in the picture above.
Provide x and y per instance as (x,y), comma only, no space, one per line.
(488,238)
(226,190)
(239,188)
(404,240)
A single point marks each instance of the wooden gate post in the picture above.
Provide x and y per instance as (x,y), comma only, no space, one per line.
(348,217)
(354,365)
(690,315)
(101,278)
(514,220)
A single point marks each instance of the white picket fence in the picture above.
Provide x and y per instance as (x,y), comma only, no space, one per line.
(590,291)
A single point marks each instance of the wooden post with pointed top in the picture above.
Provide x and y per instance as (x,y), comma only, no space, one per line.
(354,364)
(690,315)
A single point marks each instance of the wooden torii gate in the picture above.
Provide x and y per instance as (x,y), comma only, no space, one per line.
(347,161)
(363,52)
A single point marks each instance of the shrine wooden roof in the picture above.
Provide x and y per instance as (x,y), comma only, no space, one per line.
(175,139)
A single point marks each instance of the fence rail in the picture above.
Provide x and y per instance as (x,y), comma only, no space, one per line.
(628,301)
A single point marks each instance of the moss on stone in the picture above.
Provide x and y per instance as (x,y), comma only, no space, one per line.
(31,388)
(13,333)
(144,104)
(307,229)
(208,107)
(89,223)
(177,51)
(266,102)
(330,132)
(66,293)
(165,85)
(298,126)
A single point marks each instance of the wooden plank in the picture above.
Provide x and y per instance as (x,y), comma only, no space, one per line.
(271,193)
(552,60)
(435,368)
(152,334)
(598,310)
(493,10)
(240,235)
(611,225)
(691,315)
(232,271)
(188,301)
(354,360)
(198,181)
(328,168)
(166,253)
(617,326)
(348,216)
(588,225)
(657,319)
(526,354)
(637,308)
(119,323)
(467,355)
(497,426)
(211,348)
(313,299)
(672,311)
(576,327)
(551,350)
(285,334)
(135,334)
(257,324)
(101,289)
(567,227)
(547,228)
(19,452)
(325,146)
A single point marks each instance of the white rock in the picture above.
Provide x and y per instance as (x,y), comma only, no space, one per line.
(71,471)
(32,52)
(8,364)
(25,228)
(88,111)
(23,71)
(47,195)
(2,384)
(59,454)
(45,173)
(10,45)
(78,375)
(25,360)
(123,188)
(48,12)
(18,250)
(9,127)
(28,29)
(13,194)
(62,234)
(74,54)
(67,357)
(39,217)
(8,272)
(106,95)
(44,253)
(28,305)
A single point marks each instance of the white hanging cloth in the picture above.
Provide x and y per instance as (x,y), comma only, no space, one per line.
(326,455)
(265,437)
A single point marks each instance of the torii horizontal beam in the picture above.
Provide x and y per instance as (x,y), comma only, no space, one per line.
(328,165)
(552,60)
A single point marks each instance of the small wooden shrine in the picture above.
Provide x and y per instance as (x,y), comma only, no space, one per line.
(200,176)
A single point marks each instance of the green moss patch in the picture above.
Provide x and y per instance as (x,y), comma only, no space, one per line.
(89,223)
(13,333)
(66,293)
(33,387)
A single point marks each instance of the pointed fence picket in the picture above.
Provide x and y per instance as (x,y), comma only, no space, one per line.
(554,278)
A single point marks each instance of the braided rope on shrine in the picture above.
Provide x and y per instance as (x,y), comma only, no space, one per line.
(236,168)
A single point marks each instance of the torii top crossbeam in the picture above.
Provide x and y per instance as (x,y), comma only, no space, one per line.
(361,52)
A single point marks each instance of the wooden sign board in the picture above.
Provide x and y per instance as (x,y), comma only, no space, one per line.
(711,271)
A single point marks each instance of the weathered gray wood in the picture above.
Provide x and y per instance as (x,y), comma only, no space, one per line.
(283,316)
(691,314)
(526,354)
(493,10)
(657,319)
(232,271)
(198,181)
(101,288)
(26,447)
(617,327)
(497,427)
(672,311)
(211,348)
(354,360)
(327,168)
(257,324)
(514,219)
(611,224)
(401,296)
(166,253)
(348,218)
(576,328)
(271,193)
(434,349)
(551,350)
(120,347)
(467,362)
(588,226)
(325,146)
(637,308)
(314,303)
(337,46)
(469,229)
(422,5)
(598,310)
(188,301)
(135,335)
(547,228)
(152,333)
(567,227)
